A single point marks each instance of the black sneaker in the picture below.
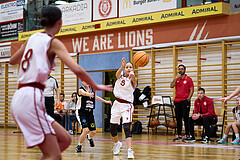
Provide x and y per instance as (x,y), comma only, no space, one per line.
(177,138)
(190,139)
(90,141)
(79,148)
(206,140)
(185,137)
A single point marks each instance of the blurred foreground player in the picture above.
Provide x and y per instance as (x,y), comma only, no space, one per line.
(36,58)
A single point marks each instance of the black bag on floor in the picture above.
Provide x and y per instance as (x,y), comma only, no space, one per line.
(137,128)
(213,131)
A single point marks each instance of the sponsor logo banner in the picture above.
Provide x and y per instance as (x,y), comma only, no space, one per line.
(10,30)
(77,12)
(164,16)
(133,7)
(5,51)
(11,11)
(235,5)
(104,9)
(144,35)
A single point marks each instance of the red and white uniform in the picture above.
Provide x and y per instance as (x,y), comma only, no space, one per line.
(123,106)
(28,106)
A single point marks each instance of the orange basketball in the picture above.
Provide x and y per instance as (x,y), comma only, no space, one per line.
(168,121)
(154,123)
(140,59)
(173,124)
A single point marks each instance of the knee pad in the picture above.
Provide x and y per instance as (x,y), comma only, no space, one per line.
(127,131)
(113,129)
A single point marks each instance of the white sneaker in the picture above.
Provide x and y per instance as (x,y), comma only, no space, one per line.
(70,132)
(116,148)
(130,153)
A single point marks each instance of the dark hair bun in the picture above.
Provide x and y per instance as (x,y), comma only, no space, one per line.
(44,21)
(50,15)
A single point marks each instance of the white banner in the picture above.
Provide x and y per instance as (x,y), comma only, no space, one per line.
(5,51)
(133,7)
(11,11)
(235,5)
(77,12)
(104,9)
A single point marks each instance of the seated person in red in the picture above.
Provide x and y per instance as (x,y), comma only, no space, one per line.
(203,114)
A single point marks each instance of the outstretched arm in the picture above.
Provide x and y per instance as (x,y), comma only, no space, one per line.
(84,93)
(58,48)
(102,100)
(236,92)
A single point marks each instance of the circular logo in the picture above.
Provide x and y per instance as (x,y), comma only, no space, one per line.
(92,125)
(184,82)
(105,7)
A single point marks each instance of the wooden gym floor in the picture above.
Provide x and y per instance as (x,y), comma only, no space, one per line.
(12,146)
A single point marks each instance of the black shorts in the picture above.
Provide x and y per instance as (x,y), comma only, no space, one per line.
(87,119)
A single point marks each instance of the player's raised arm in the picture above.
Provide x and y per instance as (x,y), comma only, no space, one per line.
(119,71)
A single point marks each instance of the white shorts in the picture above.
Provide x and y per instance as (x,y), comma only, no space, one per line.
(28,111)
(124,110)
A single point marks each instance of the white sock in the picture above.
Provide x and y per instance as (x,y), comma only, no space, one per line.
(80,144)
(89,137)
(225,136)
(129,148)
(237,135)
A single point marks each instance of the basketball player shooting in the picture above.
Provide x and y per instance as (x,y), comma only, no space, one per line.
(123,105)
(36,58)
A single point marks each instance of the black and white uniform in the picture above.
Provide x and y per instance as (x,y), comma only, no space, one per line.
(28,107)
(123,106)
(48,93)
(85,113)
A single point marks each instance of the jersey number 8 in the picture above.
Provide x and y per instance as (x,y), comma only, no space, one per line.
(25,62)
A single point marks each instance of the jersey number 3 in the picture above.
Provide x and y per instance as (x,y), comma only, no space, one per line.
(27,57)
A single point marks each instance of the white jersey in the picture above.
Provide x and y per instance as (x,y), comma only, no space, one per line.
(35,65)
(51,84)
(123,89)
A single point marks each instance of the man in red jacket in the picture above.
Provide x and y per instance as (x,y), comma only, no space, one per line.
(203,114)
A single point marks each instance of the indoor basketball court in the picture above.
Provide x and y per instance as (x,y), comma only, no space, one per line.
(145,147)
(156,36)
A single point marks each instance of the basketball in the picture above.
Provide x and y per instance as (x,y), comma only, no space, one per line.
(154,123)
(173,124)
(140,59)
(168,121)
